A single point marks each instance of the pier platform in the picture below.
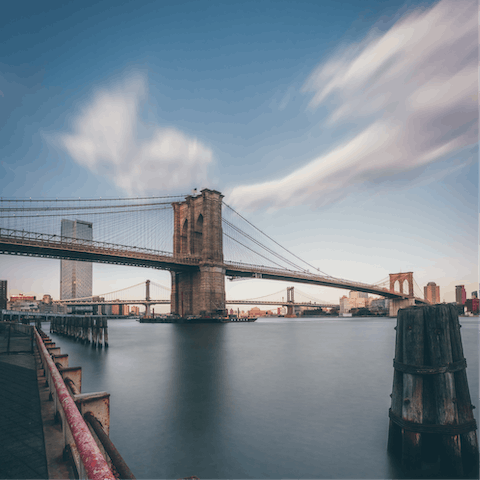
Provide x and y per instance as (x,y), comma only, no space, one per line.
(22,445)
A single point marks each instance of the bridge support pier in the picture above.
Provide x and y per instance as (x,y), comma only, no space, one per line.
(290,313)
(396,304)
(200,292)
(198,235)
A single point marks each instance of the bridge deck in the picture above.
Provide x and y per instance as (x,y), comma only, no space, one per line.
(16,242)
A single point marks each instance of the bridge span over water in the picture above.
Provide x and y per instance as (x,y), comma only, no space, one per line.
(157,294)
(185,235)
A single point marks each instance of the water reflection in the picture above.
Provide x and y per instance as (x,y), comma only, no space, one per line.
(194,403)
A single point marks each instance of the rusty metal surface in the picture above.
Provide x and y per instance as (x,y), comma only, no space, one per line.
(95,464)
(112,452)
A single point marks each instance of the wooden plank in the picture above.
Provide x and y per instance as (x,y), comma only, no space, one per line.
(394,431)
(469,441)
(412,406)
(438,342)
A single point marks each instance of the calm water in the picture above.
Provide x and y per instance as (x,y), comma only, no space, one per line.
(278,398)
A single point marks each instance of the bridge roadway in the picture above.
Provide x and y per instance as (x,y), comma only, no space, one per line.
(78,302)
(17,242)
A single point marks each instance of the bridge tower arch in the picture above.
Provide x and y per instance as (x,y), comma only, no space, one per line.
(405,285)
(198,234)
(402,278)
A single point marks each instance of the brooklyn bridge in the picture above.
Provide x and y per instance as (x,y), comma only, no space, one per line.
(198,238)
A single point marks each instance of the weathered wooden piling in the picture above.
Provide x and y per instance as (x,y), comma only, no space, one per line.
(94,332)
(105,331)
(99,322)
(85,329)
(431,412)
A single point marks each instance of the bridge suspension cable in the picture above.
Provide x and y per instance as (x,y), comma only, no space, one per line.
(269,250)
(417,290)
(143,222)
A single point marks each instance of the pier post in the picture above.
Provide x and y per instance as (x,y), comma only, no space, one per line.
(100,331)
(105,331)
(431,413)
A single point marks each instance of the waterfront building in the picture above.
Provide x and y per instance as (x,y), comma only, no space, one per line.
(460,294)
(354,300)
(3,294)
(23,303)
(256,312)
(47,298)
(379,304)
(120,309)
(431,293)
(22,298)
(75,277)
(472,305)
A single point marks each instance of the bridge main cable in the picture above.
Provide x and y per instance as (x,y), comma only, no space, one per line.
(276,243)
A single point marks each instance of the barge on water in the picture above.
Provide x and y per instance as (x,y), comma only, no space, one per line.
(193,319)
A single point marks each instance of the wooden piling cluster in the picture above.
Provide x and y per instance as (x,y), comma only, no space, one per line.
(86,329)
(431,412)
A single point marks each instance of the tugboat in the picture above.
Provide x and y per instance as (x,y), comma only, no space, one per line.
(241,319)
(194,319)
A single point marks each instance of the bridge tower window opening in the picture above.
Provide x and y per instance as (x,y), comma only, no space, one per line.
(198,236)
(396,286)
(184,238)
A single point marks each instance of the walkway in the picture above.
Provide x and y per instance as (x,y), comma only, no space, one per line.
(22,446)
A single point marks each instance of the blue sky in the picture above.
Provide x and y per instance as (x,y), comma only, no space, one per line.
(347,131)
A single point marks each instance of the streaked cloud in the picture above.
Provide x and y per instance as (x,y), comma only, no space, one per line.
(109,138)
(411,91)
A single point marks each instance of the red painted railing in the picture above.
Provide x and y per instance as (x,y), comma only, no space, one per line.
(96,467)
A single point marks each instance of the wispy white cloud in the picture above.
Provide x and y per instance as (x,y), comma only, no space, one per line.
(413,92)
(109,138)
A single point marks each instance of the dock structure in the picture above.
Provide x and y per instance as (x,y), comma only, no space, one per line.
(87,329)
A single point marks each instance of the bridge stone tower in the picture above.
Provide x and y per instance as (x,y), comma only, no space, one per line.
(396,304)
(198,234)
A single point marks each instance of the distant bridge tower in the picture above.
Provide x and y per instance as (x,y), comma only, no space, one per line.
(147,298)
(405,286)
(290,302)
(198,233)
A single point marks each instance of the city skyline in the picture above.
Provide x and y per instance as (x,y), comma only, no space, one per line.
(349,135)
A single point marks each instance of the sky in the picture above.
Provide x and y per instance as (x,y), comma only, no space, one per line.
(347,131)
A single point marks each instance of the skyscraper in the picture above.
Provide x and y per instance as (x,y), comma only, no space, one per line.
(460,294)
(3,294)
(431,293)
(75,277)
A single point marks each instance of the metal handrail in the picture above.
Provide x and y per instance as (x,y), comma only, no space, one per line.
(95,465)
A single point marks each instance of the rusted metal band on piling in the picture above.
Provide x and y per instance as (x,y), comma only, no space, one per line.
(116,458)
(429,428)
(427,370)
(92,459)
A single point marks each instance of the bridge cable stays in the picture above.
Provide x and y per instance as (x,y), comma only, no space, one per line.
(254,236)
(145,223)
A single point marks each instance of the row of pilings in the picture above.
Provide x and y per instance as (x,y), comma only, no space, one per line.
(85,329)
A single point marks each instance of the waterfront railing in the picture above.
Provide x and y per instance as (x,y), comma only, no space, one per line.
(92,451)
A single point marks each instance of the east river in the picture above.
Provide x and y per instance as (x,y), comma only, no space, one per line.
(278,398)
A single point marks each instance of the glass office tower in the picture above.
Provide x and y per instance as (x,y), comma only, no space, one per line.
(76,277)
